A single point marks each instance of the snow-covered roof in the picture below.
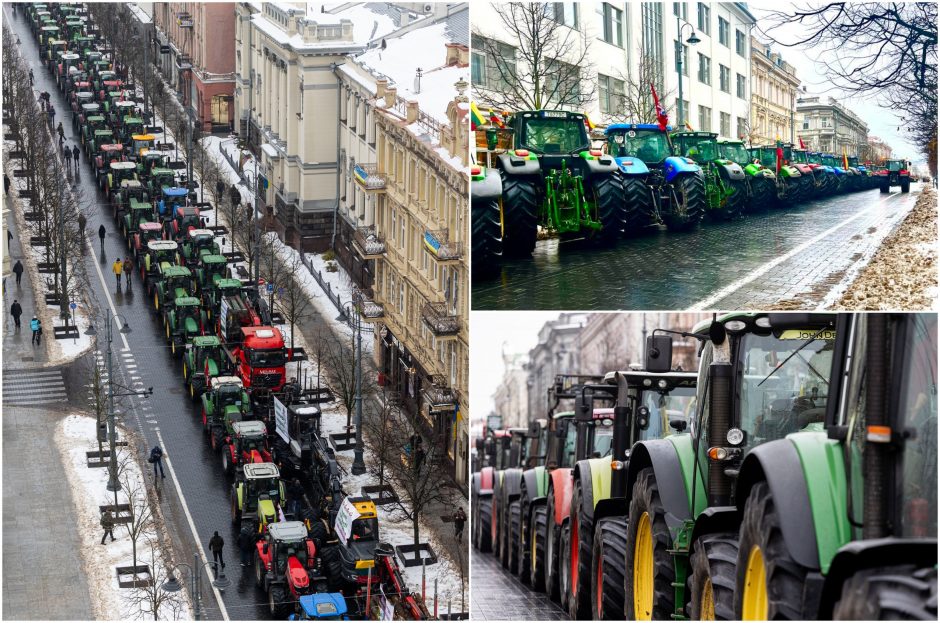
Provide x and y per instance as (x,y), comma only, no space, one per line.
(371,20)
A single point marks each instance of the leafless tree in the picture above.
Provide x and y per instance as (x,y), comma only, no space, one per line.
(378,428)
(293,300)
(545,64)
(340,361)
(636,103)
(152,600)
(141,513)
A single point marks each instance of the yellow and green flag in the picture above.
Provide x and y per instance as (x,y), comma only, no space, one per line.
(476,117)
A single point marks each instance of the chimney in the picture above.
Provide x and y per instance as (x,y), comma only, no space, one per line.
(380,86)
(391,96)
(411,112)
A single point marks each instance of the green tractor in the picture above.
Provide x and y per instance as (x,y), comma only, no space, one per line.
(256,496)
(486,221)
(725,182)
(224,403)
(202,362)
(159,252)
(119,183)
(761,377)
(183,320)
(172,282)
(761,181)
(791,185)
(197,244)
(552,178)
(137,213)
(219,289)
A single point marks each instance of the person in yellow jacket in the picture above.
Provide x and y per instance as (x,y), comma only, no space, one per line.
(117,267)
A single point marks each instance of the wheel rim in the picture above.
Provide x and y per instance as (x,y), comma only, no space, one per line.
(754,606)
(575,551)
(185,376)
(532,546)
(643,570)
(708,602)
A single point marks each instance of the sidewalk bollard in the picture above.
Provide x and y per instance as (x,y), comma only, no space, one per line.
(424,582)
(435,598)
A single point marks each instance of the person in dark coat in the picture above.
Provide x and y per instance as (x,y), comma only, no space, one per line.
(215,546)
(156,457)
(16,310)
(246,543)
(295,493)
(460,519)
(75,154)
(82,221)
(18,271)
(102,232)
(6,184)
(30,73)
(107,524)
(234,195)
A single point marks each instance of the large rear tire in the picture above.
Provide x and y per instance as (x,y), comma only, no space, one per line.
(564,565)
(713,577)
(906,187)
(763,193)
(648,590)
(638,199)
(611,207)
(537,537)
(900,593)
(687,199)
(277,601)
(486,518)
(511,555)
(581,538)
(736,201)
(520,207)
(486,236)
(609,571)
(552,544)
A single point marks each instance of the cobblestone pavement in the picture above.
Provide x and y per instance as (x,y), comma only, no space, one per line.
(796,257)
(497,596)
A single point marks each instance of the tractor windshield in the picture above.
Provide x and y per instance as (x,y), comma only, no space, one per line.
(780,396)
(768,157)
(679,404)
(601,437)
(734,152)
(895,165)
(831,161)
(799,157)
(268,358)
(853,161)
(364,530)
(649,146)
(554,136)
(698,148)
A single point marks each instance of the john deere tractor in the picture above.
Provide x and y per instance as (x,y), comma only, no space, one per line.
(159,252)
(184,319)
(895,173)
(202,362)
(761,181)
(725,183)
(791,184)
(225,403)
(551,178)
(656,183)
(172,282)
(486,220)
(196,244)
(256,496)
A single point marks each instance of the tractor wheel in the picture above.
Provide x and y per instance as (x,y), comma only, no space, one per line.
(769,582)
(520,208)
(713,576)
(763,193)
(192,391)
(486,519)
(638,201)
(486,237)
(648,591)
(495,518)
(806,188)
(333,563)
(277,601)
(236,512)
(552,543)
(906,186)
(885,188)
(215,439)
(891,593)
(537,548)
(512,537)
(173,347)
(609,572)
(564,562)
(226,460)
(582,547)
(521,570)
(687,203)
(611,207)
(185,372)
(156,300)
(734,205)
(259,570)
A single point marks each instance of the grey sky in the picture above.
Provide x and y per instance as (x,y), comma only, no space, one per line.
(811,70)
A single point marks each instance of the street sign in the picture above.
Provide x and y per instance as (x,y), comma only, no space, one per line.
(73,306)
(270,288)
(280,420)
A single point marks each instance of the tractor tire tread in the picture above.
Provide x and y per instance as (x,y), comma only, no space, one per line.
(610,539)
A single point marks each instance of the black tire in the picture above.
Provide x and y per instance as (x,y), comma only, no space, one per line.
(564,574)
(611,206)
(807,187)
(687,203)
(646,501)
(227,468)
(581,539)
(259,570)
(513,552)
(785,578)
(215,439)
(505,535)
(486,236)
(520,205)
(905,187)
(737,200)
(638,201)
(552,548)
(334,565)
(763,193)
(486,517)
(236,512)
(901,593)
(885,188)
(608,571)
(277,601)
(537,536)
(523,544)
(713,559)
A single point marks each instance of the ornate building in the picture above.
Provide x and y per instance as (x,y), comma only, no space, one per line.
(828,126)
(773,97)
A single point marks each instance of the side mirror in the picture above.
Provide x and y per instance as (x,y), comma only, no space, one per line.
(678,424)
(642,418)
(534,430)
(584,406)
(659,353)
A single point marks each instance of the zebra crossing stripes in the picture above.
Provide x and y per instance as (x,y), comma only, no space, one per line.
(33,387)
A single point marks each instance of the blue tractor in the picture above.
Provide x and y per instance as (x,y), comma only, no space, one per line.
(656,183)
(321,607)
(172,198)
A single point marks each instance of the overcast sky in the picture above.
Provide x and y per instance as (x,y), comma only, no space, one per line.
(810,67)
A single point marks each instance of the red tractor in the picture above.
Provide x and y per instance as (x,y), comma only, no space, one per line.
(247,443)
(287,566)
(259,360)
(895,173)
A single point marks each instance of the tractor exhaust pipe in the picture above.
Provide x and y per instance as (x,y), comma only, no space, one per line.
(719,484)
(878,434)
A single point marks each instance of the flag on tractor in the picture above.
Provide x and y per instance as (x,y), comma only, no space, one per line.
(476,117)
(845,159)
(587,122)
(689,127)
(497,119)
(779,155)
(802,144)
(661,115)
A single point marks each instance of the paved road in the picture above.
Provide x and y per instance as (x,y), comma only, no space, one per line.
(498,596)
(789,258)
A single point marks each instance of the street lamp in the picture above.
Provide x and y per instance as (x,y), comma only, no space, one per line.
(692,40)
(359,465)
(173,585)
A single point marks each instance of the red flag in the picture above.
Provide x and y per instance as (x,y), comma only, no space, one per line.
(779,155)
(802,144)
(661,115)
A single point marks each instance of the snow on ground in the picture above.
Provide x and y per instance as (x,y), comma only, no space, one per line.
(75,435)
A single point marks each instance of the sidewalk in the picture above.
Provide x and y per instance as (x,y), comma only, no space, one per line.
(17,349)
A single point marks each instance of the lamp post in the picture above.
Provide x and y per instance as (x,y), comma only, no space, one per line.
(692,40)
(359,465)
(173,585)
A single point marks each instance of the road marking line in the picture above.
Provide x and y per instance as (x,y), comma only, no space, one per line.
(192,527)
(104,287)
(27,391)
(708,302)
(30,373)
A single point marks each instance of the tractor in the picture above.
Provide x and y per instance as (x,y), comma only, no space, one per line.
(504,451)
(171,198)
(321,607)
(843,177)
(725,182)
(866,181)
(93,124)
(486,220)
(256,496)
(287,567)
(246,443)
(118,173)
(829,182)
(510,453)
(656,182)
(142,144)
(85,111)
(139,243)
(356,526)
(151,160)
(184,319)
(220,288)
(792,182)
(895,173)
(184,219)
(172,282)
(203,361)
(209,269)
(761,377)
(197,244)
(159,253)
(224,403)
(552,178)
(761,181)
(104,156)
(137,213)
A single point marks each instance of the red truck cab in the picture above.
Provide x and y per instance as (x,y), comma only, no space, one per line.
(260,359)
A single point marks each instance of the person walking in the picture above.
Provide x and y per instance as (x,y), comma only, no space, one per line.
(117,268)
(18,271)
(156,457)
(51,115)
(246,543)
(36,326)
(295,493)
(16,310)
(6,185)
(67,154)
(102,232)
(61,132)
(75,154)
(82,221)
(128,269)
(215,546)
(30,74)
(460,519)
(107,524)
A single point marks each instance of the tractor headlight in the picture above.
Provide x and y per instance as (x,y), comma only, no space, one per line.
(735,326)
(662,384)
(763,322)
(735,436)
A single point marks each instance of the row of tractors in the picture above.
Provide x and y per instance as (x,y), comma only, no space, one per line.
(544,171)
(794,476)
(317,549)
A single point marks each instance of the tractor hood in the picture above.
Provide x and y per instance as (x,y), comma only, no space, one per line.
(190,326)
(297,575)
(631,166)
(267,513)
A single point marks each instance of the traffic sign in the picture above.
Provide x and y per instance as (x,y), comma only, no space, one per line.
(73,305)
(270,288)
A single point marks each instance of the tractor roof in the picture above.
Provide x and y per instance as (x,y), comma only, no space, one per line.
(261,470)
(121,166)
(728,141)
(214,259)
(620,127)
(250,428)
(125,104)
(227,282)
(187,211)
(289,531)
(175,191)
(206,340)
(144,137)
(174,270)
(131,184)
(101,132)
(193,233)
(84,95)
(149,226)
(817,320)
(320,605)
(93,107)
(111,146)
(226,380)
(364,505)
(652,379)
(186,301)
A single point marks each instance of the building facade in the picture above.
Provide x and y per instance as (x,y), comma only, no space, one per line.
(878,150)
(511,398)
(558,351)
(773,97)
(195,48)
(830,127)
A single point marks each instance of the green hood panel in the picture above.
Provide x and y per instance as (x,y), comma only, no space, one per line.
(213,367)
(600,479)
(683,446)
(191,326)
(541,481)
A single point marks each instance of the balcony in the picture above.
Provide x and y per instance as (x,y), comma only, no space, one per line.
(368,244)
(439,398)
(184,62)
(184,19)
(443,250)
(368,176)
(367,308)
(441,322)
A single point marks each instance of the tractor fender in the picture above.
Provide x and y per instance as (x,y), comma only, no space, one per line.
(511,484)
(856,556)
(512,164)
(561,490)
(611,507)
(731,171)
(805,169)
(674,166)
(486,479)
(535,482)
(715,519)
(599,166)
(752,169)
(490,187)
(839,171)
(790,171)
(631,166)
(662,455)
(596,485)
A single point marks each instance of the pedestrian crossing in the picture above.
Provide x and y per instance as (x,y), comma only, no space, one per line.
(33,387)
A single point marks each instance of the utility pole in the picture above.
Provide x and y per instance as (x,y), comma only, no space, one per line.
(113,483)
(64,295)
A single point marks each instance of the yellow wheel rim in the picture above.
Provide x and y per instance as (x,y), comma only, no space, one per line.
(754,606)
(156,301)
(173,346)
(184,371)
(708,602)
(643,570)
(532,551)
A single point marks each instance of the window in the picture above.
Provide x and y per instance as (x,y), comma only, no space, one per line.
(680,9)
(723,30)
(652,43)
(394,221)
(724,78)
(685,109)
(825,122)
(401,232)
(704,69)
(612,20)
(401,296)
(566,13)
(478,68)
(742,87)
(742,127)
(740,43)
(704,18)
(562,83)
(725,129)
(611,94)
(493,63)
(685,58)
(704,119)
(806,124)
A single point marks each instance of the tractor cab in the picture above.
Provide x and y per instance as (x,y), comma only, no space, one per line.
(256,495)
(159,253)
(120,172)
(734,151)
(151,160)
(211,268)
(80,98)
(322,607)
(702,147)
(175,282)
(197,244)
(248,442)
(895,173)
(357,528)
(132,126)
(142,143)
(81,120)
(172,198)
(645,142)
(221,287)
(160,179)
(291,566)
(185,219)
(184,320)
(202,362)
(224,404)
(147,232)
(105,154)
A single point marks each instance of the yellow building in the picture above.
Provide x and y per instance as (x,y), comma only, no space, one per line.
(773,97)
